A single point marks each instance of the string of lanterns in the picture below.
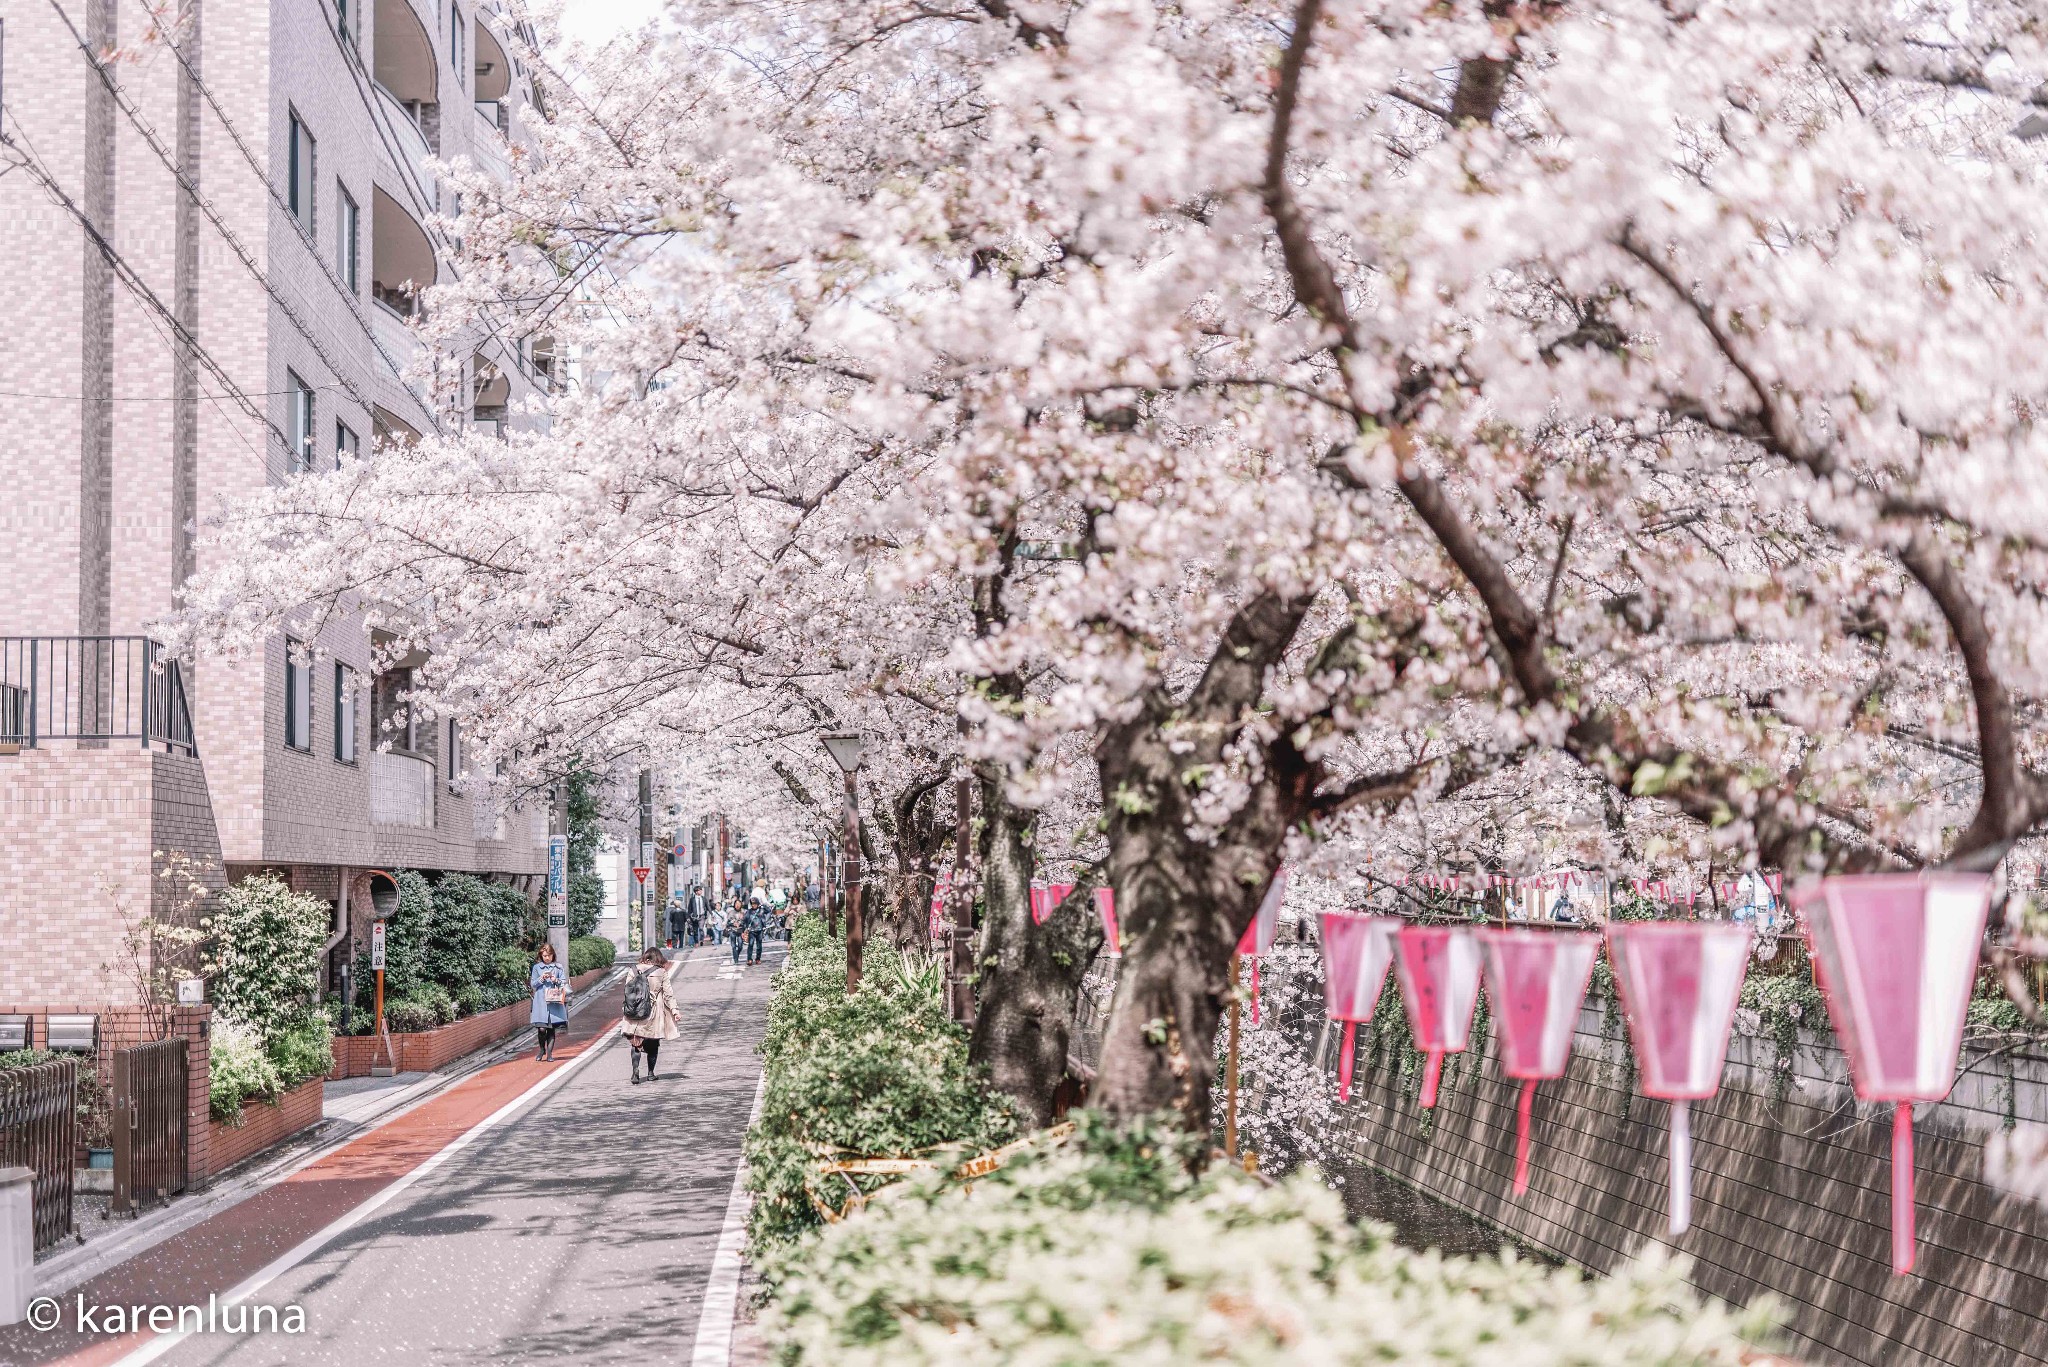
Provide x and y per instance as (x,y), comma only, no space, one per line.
(1895,957)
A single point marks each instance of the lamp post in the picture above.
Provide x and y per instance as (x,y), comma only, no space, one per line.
(845,748)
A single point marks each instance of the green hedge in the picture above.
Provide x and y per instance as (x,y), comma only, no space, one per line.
(882,1072)
(590,952)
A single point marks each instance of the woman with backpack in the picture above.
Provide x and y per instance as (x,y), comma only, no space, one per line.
(549,983)
(649,1009)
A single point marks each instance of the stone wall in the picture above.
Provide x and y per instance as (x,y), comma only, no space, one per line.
(1791,1197)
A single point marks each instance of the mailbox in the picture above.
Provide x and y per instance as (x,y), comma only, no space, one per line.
(16,1032)
(72,1034)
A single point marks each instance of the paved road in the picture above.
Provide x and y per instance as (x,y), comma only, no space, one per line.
(583,1228)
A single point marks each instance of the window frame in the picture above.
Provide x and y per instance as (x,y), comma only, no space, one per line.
(347,691)
(346,442)
(348,237)
(301,178)
(298,696)
(456,46)
(453,759)
(300,421)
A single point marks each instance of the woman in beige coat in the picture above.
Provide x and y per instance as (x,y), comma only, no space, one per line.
(647,1033)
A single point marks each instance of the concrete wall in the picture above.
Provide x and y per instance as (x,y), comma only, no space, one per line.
(1790,1199)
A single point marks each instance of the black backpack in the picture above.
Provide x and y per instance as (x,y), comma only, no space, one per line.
(639,1004)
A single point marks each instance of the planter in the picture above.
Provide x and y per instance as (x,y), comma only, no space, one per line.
(424,1051)
(264,1125)
(100,1158)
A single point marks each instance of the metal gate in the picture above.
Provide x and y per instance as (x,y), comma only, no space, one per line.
(39,1130)
(149,1119)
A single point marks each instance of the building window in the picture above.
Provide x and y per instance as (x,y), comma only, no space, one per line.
(298,695)
(344,20)
(455,39)
(455,761)
(299,420)
(347,238)
(344,713)
(300,191)
(393,709)
(346,445)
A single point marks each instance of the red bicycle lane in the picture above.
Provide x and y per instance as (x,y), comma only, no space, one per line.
(225,1250)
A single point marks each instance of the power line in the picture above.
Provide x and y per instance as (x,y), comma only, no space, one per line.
(263,178)
(262,277)
(133,281)
(352,60)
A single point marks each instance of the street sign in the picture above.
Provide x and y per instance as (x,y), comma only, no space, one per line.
(640,872)
(376,944)
(558,880)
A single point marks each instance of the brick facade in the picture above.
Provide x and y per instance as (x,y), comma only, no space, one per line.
(264,1125)
(118,435)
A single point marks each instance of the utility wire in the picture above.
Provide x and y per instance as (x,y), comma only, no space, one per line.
(355,307)
(128,108)
(133,282)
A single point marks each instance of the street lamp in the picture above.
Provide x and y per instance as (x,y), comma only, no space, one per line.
(845,749)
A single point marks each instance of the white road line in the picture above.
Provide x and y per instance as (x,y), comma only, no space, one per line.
(163,1343)
(722,1287)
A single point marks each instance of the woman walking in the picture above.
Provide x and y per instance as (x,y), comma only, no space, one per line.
(650,1010)
(549,983)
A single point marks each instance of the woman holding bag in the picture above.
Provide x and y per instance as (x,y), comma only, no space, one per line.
(550,985)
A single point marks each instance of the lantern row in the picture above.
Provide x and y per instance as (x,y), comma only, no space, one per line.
(1895,955)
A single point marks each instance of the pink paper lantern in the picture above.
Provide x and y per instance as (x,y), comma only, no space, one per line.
(1535,982)
(1679,983)
(1259,936)
(1896,956)
(1105,906)
(1438,969)
(1041,903)
(1356,952)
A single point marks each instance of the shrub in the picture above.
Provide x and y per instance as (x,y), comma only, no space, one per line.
(586,903)
(406,932)
(511,965)
(302,1049)
(241,1070)
(590,952)
(266,943)
(1090,1255)
(461,936)
(410,1015)
(880,1073)
(469,999)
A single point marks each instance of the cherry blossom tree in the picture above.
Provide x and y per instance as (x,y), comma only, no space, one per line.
(1279,420)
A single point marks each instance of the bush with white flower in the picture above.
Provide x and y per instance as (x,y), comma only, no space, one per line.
(1107,1251)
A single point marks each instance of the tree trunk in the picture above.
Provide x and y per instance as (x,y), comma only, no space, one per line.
(1183,903)
(1029,975)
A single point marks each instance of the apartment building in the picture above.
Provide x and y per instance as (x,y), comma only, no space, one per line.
(216,218)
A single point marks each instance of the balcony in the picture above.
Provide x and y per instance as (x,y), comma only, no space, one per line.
(401,790)
(91,689)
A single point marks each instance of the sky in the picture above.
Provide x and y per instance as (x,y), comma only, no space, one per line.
(596,20)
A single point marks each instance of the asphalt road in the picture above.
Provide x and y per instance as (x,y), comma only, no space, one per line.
(581,1229)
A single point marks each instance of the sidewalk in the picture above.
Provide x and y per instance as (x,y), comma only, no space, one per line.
(222,1251)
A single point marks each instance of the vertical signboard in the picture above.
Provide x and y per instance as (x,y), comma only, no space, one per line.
(558,880)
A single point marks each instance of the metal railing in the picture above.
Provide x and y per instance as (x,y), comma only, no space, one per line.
(149,1118)
(91,688)
(39,1130)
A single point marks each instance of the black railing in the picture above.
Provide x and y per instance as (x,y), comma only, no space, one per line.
(91,688)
